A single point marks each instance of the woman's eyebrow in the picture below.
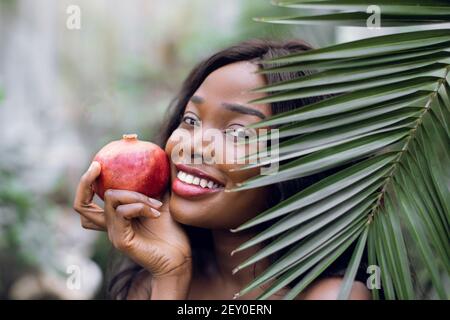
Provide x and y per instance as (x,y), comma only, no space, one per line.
(197,99)
(232,107)
(243,109)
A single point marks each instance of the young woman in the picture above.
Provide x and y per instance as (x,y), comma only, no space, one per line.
(180,248)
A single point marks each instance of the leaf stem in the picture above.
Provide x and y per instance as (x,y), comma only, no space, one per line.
(404,149)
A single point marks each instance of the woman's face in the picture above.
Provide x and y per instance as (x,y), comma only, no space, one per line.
(218,108)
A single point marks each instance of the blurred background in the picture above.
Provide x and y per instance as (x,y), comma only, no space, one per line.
(64,93)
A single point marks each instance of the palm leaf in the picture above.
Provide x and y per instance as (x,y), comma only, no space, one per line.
(353,267)
(358,19)
(391,122)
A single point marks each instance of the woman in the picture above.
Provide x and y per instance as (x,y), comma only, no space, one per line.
(180,248)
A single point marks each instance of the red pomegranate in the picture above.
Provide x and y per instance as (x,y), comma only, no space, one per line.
(131,164)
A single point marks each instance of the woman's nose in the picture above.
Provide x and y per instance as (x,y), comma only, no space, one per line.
(202,148)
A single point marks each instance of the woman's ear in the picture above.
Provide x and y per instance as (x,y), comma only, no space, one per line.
(328,289)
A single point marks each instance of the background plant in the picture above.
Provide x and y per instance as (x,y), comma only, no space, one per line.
(391,113)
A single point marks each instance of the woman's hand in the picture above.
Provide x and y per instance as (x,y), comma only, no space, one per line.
(140,227)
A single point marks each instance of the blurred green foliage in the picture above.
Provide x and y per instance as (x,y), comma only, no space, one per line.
(14,197)
(117,74)
(14,207)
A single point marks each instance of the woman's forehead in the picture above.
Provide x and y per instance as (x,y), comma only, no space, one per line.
(235,79)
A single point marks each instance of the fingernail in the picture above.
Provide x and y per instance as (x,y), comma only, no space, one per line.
(155,202)
(155,212)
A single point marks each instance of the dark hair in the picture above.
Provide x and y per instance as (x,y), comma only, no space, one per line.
(256,51)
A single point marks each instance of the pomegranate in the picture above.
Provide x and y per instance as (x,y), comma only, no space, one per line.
(131,164)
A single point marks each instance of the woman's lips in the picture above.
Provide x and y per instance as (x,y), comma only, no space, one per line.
(205,183)
(189,190)
(198,173)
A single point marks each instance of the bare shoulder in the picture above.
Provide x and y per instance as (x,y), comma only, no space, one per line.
(328,289)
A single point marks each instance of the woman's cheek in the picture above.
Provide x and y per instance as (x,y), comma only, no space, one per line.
(178,142)
(168,148)
(233,155)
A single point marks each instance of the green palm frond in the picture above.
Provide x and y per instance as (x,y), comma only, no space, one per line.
(355,12)
(391,116)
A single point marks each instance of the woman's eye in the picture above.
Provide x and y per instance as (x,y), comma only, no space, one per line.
(191,121)
(240,133)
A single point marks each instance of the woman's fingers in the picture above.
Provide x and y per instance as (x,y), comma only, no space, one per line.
(135,210)
(94,213)
(85,193)
(88,224)
(83,198)
(114,198)
(121,206)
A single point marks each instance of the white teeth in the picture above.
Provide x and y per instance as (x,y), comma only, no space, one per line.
(182,175)
(190,179)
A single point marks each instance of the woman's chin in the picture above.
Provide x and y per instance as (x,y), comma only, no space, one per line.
(186,213)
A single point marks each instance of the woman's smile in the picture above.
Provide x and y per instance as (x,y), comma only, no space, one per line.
(191,181)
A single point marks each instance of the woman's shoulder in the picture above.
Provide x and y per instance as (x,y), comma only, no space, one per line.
(322,289)
(328,289)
